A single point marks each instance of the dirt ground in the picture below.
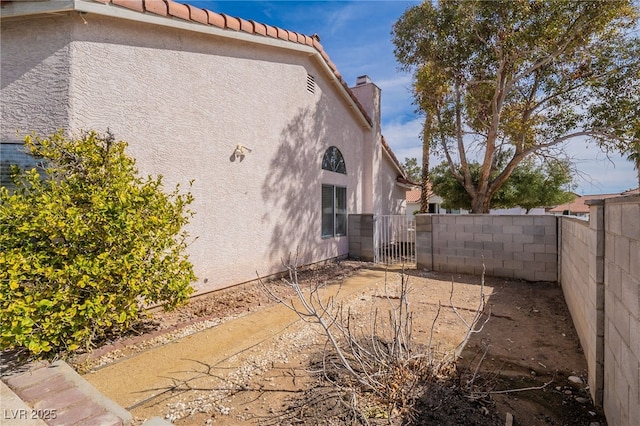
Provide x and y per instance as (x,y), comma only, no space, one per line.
(528,342)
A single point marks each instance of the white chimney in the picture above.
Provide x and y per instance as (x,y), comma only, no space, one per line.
(363,79)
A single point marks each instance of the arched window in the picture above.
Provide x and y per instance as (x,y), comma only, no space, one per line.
(334,161)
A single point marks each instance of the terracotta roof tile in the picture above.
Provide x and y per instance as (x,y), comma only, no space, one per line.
(578,205)
(198,15)
(325,56)
(246,26)
(230,22)
(215,19)
(282,34)
(159,7)
(224,21)
(272,31)
(316,43)
(259,28)
(413,195)
(308,41)
(178,10)
(136,5)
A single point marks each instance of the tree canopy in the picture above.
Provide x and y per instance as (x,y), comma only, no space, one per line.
(531,185)
(520,77)
(414,171)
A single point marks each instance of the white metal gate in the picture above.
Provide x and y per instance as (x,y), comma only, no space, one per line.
(395,239)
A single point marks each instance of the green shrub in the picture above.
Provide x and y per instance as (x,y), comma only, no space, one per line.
(86,243)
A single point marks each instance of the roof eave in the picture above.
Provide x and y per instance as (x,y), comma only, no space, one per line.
(129,11)
(16,9)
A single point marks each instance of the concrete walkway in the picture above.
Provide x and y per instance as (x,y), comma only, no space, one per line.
(142,377)
(97,398)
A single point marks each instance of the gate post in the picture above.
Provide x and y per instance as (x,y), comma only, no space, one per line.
(360,234)
(424,241)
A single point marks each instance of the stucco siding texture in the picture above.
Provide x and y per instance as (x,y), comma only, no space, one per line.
(392,196)
(184,101)
(35,76)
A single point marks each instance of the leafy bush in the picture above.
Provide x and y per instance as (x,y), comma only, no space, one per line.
(86,243)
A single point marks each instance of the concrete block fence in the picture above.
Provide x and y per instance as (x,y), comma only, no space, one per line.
(600,278)
(522,247)
(361,232)
(621,316)
(596,261)
(582,280)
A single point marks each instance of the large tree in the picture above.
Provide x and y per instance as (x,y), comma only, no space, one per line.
(414,171)
(531,185)
(519,76)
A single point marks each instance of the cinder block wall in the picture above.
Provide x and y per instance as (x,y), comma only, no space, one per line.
(583,291)
(622,311)
(360,230)
(523,247)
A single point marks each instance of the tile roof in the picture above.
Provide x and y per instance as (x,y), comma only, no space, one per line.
(413,196)
(173,9)
(578,205)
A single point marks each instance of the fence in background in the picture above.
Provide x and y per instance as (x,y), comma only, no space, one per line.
(395,239)
(597,262)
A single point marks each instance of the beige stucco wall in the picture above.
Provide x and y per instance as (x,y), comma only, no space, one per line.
(392,197)
(35,74)
(183,101)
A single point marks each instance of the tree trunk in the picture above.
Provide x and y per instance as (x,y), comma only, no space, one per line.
(480,203)
(426,152)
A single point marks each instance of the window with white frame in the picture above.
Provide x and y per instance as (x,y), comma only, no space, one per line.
(334,211)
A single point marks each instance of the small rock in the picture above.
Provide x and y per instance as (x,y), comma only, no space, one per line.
(575,379)
(594,424)
(582,400)
(568,392)
(509,419)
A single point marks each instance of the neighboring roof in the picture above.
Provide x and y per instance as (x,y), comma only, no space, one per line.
(579,206)
(413,196)
(631,192)
(184,12)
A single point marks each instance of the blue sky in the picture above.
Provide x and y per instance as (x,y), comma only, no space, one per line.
(357,37)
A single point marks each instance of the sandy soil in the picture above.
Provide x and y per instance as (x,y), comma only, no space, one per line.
(527,342)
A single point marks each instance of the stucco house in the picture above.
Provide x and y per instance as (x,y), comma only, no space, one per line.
(580,207)
(280,149)
(413,201)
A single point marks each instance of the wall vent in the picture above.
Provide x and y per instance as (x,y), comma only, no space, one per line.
(311,83)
